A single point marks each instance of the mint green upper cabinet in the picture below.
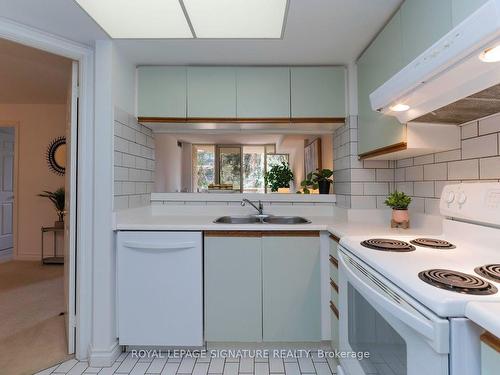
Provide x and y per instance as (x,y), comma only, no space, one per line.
(291,289)
(461,9)
(233,289)
(161,91)
(380,62)
(263,92)
(211,92)
(318,92)
(424,22)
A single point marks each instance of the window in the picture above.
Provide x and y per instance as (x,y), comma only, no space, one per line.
(253,169)
(203,167)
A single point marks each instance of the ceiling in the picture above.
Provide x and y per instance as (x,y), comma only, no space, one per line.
(317,32)
(31,76)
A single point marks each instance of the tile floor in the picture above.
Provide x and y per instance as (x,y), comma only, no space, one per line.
(132,365)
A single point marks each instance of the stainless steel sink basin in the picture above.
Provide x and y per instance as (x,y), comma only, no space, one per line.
(286,220)
(265,220)
(237,220)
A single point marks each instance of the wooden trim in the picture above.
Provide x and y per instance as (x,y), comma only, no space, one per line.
(232,233)
(334,285)
(334,261)
(263,120)
(334,309)
(491,340)
(334,237)
(384,150)
(290,233)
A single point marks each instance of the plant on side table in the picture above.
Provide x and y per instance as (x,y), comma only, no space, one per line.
(279,177)
(58,200)
(399,203)
(321,179)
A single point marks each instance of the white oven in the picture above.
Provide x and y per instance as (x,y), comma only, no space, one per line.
(401,336)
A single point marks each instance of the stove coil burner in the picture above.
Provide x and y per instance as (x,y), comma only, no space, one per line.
(433,243)
(457,282)
(490,271)
(383,244)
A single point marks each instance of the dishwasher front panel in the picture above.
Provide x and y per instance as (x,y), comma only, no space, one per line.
(160,288)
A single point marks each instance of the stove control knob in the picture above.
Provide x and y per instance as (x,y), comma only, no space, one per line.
(462,198)
(450,198)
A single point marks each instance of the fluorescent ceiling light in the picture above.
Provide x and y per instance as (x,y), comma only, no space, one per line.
(139,19)
(491,54)
(400,107)
(237,18)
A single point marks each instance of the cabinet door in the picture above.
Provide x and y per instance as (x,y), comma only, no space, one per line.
(318,91)
(461,9)
(379,62)
(233,289)
(161,91)
(211,92)
(423,22)
(263,92)
(291,289)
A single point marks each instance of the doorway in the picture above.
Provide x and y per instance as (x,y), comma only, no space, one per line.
(38,130)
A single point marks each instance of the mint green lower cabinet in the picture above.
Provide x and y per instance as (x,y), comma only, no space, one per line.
(291,289)
(490,358)
(233,289)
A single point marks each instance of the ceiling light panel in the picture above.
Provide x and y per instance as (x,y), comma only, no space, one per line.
(139,19)
(238,19)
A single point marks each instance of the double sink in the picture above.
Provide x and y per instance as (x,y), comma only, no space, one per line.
(260,218)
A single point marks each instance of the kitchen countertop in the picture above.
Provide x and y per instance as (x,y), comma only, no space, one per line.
(485,314)
(145,218)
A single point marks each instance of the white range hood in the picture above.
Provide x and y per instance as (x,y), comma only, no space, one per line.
(448,71)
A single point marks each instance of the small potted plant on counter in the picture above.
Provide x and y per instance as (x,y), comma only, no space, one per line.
(279,178)
(321,179)
(58,200)
(399,203)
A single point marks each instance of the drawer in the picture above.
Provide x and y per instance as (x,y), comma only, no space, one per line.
(334,243)
(334,326)
(334,292)
(334,269)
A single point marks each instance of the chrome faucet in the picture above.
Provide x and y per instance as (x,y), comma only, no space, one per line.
(260,208)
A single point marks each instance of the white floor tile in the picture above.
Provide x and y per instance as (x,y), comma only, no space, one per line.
(246,366)
(322,368)
(231,368)
(216,366)
(306,365)
(232,359)
(64,367)
(316,358)
(140,368)
(47,371)
(122,356)
(201,368)
(187,365)
(276,365)
(92,370)
(79,368)
(170,368)
(127,364)
(156,366)
(110,370)
(262,369)
(292,368)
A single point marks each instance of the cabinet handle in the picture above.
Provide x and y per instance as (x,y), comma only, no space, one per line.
(491,340)
(334,309)
(159,246)
(335,238)
(334,286)
(334,261)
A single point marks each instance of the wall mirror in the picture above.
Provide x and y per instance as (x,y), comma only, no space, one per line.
(56,156)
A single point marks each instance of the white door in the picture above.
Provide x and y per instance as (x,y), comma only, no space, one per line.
(70,208)
(6,187)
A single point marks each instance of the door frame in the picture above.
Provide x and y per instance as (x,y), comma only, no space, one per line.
(83,248)
(15,126)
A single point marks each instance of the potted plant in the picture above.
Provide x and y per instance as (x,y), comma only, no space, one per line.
(58,199)
(399,203)
(279,177)
(321,179)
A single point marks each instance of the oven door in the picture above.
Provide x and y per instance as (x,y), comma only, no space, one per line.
(401,336)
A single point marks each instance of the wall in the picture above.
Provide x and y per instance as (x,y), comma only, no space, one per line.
(478,159)
(39,124)
(134,162)
(169,164)
(124,82)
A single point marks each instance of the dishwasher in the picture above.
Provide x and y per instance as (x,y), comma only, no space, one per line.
(159,288)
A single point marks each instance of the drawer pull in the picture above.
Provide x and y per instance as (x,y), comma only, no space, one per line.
(334,286)
(334,309)
(334,261)
(334,238)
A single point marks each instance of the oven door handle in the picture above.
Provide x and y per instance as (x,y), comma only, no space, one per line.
(374,292)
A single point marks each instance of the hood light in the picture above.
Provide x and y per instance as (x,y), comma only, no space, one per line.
(400,107)
(490,54)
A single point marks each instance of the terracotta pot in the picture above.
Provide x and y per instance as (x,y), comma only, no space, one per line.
(400,216)
(283,190)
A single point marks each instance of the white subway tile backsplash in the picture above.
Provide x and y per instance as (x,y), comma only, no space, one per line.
(384,174)
(376,188)
(376,164)
(423,189)
(469,130)
(489,125)
(478,147)
(404,163)
(399,174)
(415,173)
(431,206)
(490,168)
(464,170)
(363,202)
(448,156)
(436,171)
(417,205)
(405,187)
(362,175)
(425,159)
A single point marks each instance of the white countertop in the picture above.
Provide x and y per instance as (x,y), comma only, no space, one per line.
(485,314)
